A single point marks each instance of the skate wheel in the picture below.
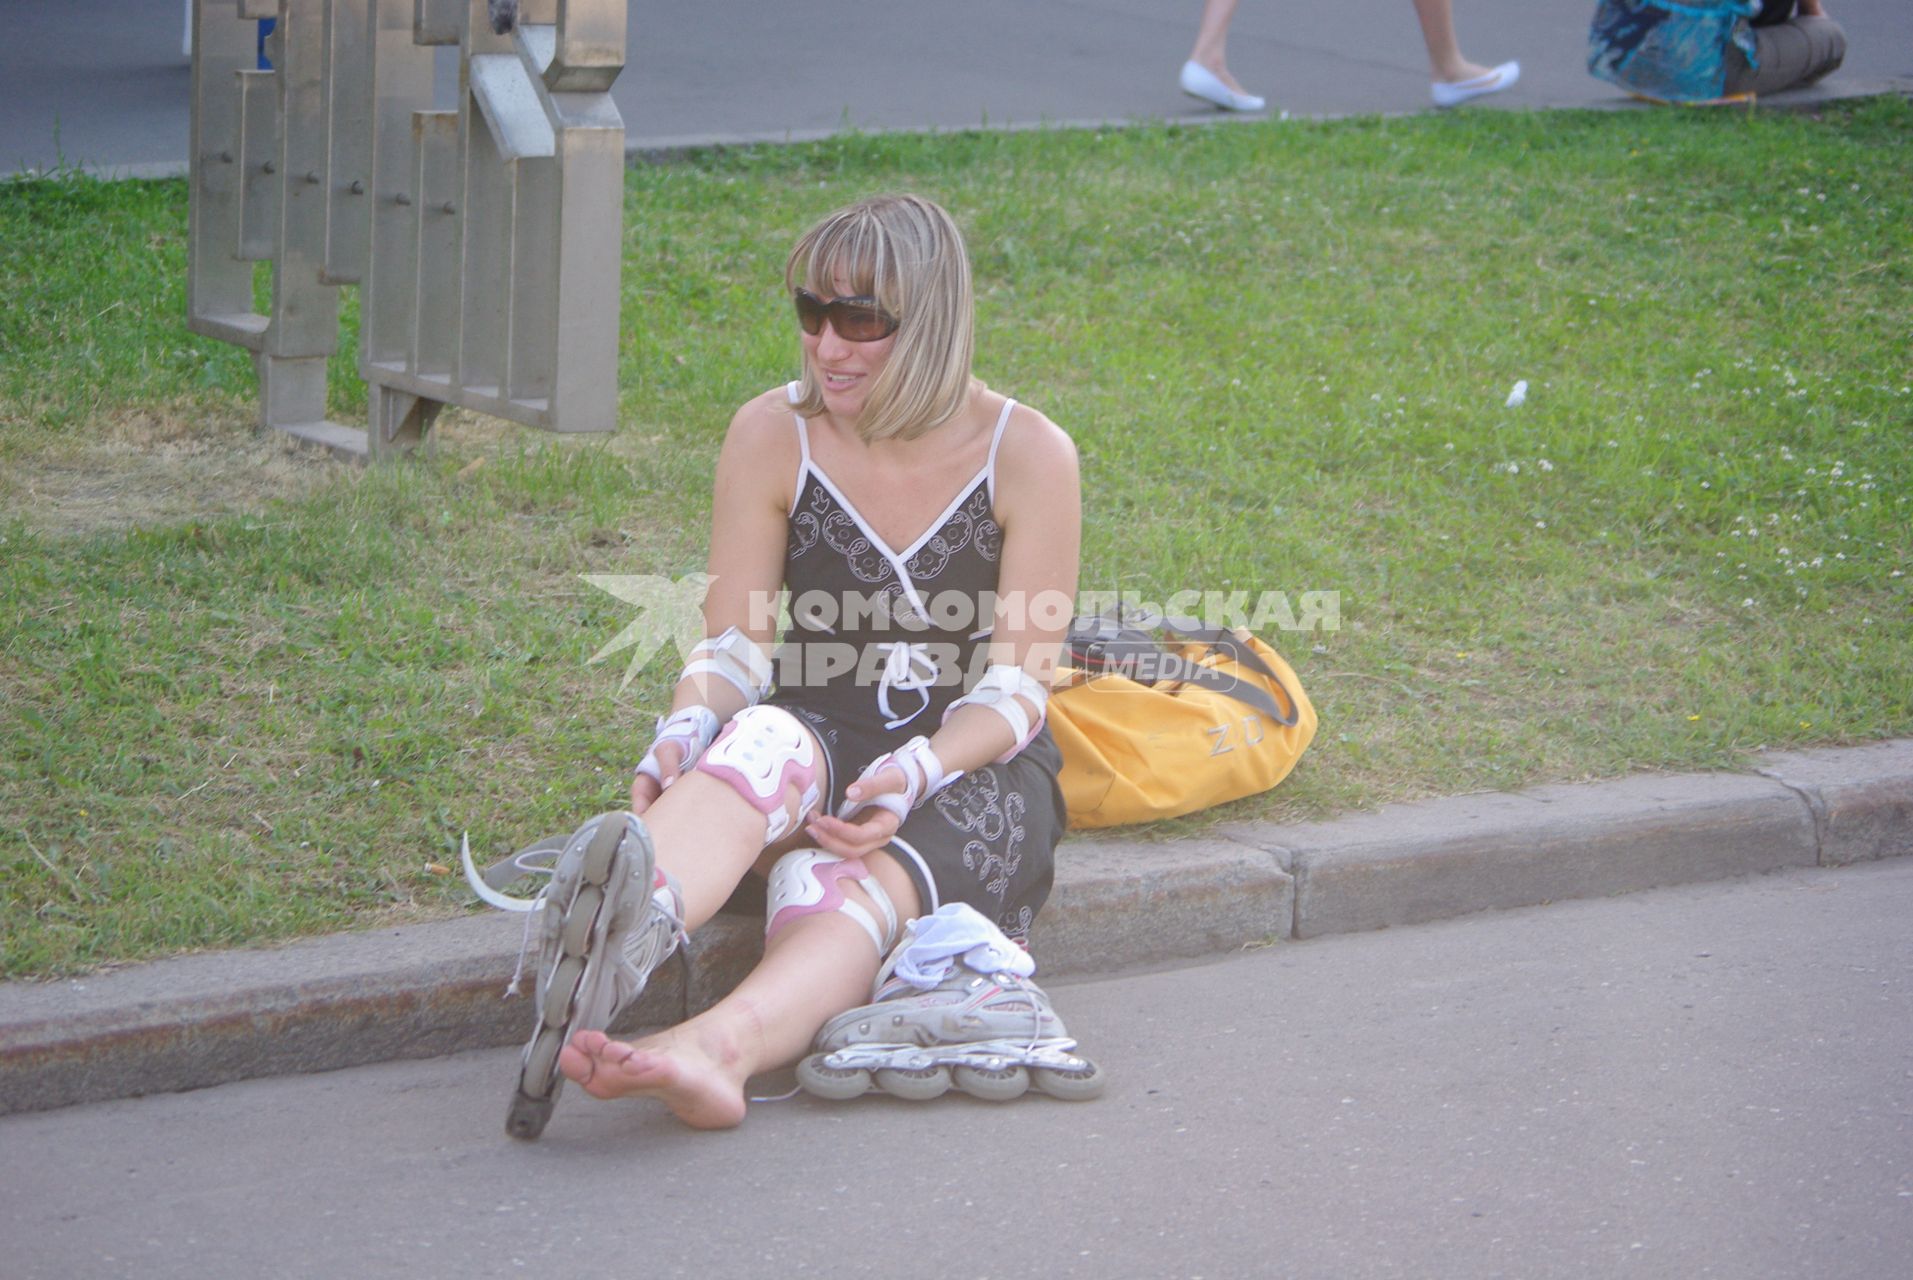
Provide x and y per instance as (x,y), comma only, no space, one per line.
(538,1085)
(839,1084)
(596,868)
(999,1083)
(914,1084)
(562,990)
(1071,1084)
(528,1117)
(575,940)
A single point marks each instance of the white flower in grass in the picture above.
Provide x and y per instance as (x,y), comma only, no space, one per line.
(1545,465)
(1748,603)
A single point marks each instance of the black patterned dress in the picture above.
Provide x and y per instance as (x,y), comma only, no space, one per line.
(881,641)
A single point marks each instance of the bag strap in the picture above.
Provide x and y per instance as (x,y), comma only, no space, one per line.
(1099,642)
(1223,642)
(1252,696)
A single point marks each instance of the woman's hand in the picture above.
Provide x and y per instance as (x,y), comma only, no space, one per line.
(645,789)
(869,827)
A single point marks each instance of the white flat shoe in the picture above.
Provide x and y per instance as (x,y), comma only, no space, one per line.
(1454,93)
(1200,82)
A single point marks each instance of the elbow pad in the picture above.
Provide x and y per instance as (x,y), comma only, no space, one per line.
(999,690)
(732,657)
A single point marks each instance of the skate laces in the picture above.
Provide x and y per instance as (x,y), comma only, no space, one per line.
(538,859)
(955,940)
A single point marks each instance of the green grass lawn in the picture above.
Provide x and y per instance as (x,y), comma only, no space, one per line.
(246,694)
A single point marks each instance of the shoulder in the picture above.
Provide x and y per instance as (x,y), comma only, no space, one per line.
(764,421)
(1035,484)
(761,448)
(1035,450)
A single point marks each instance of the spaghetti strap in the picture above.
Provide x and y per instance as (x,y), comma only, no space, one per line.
(989,467)
(803,451)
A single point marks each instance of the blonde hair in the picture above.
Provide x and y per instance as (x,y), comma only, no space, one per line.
(907,253)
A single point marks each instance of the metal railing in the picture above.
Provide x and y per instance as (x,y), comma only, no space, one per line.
(485,242)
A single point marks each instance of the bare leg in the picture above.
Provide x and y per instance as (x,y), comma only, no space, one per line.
(1212,39)
(1438,33)
(815,968)
(707,836)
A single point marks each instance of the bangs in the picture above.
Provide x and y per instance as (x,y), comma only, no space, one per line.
(853,248)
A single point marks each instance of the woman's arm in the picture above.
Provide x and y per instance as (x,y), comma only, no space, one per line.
(750,504)
(756,472)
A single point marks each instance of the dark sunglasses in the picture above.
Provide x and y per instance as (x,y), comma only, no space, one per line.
(854,319)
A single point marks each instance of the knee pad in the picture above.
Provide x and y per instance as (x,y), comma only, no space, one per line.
(762,753)
(804,883)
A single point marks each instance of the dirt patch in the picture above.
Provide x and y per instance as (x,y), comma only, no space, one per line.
(143,467)
(146,467)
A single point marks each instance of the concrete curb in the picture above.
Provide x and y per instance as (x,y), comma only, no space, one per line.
(426,990)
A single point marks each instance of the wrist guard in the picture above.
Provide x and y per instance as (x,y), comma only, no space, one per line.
(923,777)
(691,729)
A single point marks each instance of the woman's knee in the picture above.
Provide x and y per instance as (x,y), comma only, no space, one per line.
(769,758)
(1826,45)
(874,893)
(1798,52)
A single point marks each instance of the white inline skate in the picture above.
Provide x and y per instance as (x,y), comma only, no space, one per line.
(971,1020)
(606,920)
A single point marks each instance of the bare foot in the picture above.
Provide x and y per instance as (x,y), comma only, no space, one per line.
(1460,71)
(1221,72)
(689,1077)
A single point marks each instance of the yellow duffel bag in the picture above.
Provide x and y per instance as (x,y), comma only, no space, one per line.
(1152,730)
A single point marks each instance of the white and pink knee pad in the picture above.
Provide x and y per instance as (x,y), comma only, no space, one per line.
(805,882)
(763,753)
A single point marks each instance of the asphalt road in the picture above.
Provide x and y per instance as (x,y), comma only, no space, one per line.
(1707,1081)
(103,83)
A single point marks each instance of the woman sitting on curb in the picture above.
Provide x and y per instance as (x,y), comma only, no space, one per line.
(1708,50)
